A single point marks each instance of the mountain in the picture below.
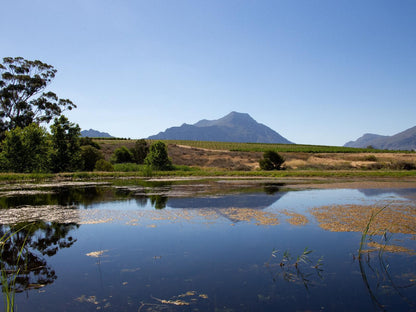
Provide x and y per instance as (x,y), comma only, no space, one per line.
(95,134)
(234,127)
(405,140)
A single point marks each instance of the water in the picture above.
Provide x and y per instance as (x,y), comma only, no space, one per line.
(208,246)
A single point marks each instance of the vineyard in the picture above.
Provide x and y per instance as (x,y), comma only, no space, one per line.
(286,148)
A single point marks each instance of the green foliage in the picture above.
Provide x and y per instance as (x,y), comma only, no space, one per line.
(65,140)
(22,100)
(370,158)
(89,156)
(122,155)
(88,141)
(128,167)
(282,148)
(103,165)
(25,150)
(140,151)
(271,161)
(157,158)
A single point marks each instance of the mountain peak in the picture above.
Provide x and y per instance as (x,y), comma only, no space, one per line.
(234,127)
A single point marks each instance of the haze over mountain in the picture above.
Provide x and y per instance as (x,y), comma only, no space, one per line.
(234,127)
(95,134)
(405,140)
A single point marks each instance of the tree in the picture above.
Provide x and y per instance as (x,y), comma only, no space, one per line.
(158,158)
(65,140)
(90,155)
(122,155)
(140,151)
(271,161)
(22,100)
(26,150)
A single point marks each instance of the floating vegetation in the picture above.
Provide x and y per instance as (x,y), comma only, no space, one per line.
(259,217)
(396,218)
(96,254)
(50,213)
(389,248)
(186,299)
(103,304)
(295,218)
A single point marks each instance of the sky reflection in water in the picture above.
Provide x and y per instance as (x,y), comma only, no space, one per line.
(134,248)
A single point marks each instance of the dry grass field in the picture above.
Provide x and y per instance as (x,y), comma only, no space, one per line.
(221,158)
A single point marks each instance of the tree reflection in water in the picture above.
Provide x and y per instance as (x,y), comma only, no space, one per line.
(23,255)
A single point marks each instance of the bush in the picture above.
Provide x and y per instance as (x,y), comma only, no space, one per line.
(403,165)
(26,150)
(122,155)
(140,151)
(88,141)
(370,158)
(271,161)
(89,156)
(157,158)
(103,165)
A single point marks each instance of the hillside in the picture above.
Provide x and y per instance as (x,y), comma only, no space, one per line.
(405,140)
(234,127)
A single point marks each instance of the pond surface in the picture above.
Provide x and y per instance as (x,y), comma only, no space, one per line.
(207,246)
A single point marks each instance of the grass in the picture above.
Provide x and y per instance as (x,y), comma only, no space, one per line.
(184,171)
(8,280)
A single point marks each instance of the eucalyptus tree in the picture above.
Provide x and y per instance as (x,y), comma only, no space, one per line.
(23,96)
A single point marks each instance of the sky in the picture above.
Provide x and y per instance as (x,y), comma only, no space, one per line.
(316,71)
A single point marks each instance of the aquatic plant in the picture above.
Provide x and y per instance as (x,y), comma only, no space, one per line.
(295,269)
(376,271)
(8,277)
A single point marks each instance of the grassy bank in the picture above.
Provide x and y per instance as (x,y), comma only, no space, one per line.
(76,176)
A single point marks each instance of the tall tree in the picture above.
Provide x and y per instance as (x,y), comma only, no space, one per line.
(22,97)
(66,144)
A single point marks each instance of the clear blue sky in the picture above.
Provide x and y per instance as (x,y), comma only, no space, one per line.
(316,71)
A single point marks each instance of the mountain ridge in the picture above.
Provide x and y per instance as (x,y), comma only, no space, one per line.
(405,140)
(91,133)
(234,127)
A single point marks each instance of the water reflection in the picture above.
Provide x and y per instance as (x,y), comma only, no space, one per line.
(387,277)
(205,244)
(25,249)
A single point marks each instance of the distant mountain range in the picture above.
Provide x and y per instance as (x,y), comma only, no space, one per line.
(234,127)
(405,140)
(95,134)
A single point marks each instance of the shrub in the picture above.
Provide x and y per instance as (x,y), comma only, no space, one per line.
(89,156)
(271,161)
(26,150)
(103,165)
(140,151)
(122,155)
(88,141)
(370,158)
(157,158)
(403,165)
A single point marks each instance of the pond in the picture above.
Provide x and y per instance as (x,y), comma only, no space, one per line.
(207,245)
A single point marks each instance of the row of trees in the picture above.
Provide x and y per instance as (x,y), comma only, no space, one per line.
(33,149)
(26,146)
